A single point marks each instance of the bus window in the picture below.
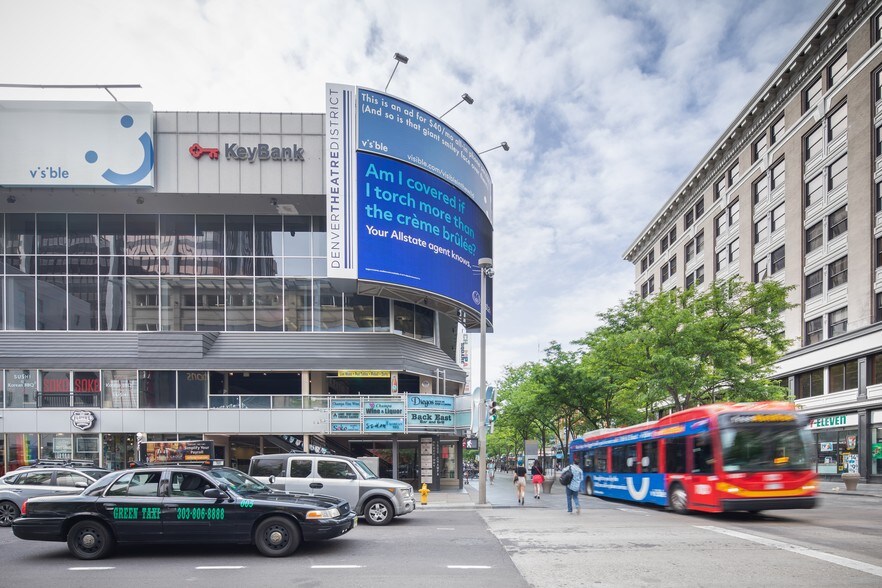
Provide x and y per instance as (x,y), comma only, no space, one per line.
(630,459)
(675,455)
(702,455)
(624,458)
(600,460)
(649,460)
(588,465)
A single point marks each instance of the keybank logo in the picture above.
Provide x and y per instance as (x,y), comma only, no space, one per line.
(133,177)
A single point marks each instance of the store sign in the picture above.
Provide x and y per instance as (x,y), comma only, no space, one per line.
(433,401)
(384,409)
(83,419)
(829,422)
(383,425)
(429,419)
(363,373)
(94,144)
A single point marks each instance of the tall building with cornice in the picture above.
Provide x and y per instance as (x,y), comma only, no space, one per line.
(792,191)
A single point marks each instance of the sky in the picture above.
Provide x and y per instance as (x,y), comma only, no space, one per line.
(607,105)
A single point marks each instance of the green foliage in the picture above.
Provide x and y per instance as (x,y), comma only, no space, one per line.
(678,349)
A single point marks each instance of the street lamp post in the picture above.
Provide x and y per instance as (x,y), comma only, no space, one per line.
(486,265)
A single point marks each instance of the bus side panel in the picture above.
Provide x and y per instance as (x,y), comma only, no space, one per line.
(635,487)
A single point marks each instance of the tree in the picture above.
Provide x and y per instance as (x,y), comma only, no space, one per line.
(689,348)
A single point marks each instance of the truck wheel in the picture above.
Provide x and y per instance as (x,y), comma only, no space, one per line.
(8,513)
(277,537)
(378,511)
(90,540)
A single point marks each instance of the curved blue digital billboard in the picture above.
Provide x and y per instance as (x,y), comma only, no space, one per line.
(409,201)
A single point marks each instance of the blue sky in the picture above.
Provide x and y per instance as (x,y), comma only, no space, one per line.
(607,105)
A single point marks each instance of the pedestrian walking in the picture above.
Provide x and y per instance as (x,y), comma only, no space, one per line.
(520,482)
(537,476)
(573,487)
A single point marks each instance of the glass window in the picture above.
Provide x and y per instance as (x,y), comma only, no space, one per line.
(777,217)
(72,480)
(268,306)
(675,455)
(722,259)
(837,272)
(239,304)
(404,318)
(82,234)
(720,188)
(51,234)
(21,230)
(337,470)
(760,190)
(176,234)
(120,388)
(734,174)
(759,148)
(424,319)
(83,303)
(649,457)
(837,173)
(689,251)
(157,389)
(702,454)
(210,303)
(21,388)
(836,71)
(814,190)
(778,174)
(814,237)
(759,271)
(844,376)
(838,322)
(810,384)
(297,237)
(734,250)
(761,230)
(837,223)
(240,235)
(329,307)
(298,304)
(814,143)
(777,130)
(300,468)
(777,259)
(814,330)
(734,212)
(358,314)
(319,236)
(688,219)
(811,96)
(814,284)
(699,242)
(837,122)
(699,208)
(209,235)
(720,225)
(52,303)
(193,389)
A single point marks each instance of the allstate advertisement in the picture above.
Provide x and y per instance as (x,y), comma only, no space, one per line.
(409,201)
(416,230)
(90,144)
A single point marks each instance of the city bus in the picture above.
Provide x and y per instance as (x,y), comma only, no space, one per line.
(714,458)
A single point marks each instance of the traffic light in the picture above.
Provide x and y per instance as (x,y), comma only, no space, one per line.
(494,409)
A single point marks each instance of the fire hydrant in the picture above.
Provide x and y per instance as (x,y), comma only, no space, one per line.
(424,494)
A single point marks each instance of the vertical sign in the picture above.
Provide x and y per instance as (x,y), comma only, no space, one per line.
(341,125)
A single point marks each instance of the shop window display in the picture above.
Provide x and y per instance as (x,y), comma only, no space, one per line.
(837,451)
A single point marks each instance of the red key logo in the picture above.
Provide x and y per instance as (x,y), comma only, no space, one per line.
(197,151)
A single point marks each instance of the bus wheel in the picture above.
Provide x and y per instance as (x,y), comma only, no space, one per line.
(678,499)
(589,488)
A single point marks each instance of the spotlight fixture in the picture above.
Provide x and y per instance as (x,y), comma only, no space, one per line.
(504,146)
(10,199)
(465,98)
(399,58)
(274,202)
(139,200)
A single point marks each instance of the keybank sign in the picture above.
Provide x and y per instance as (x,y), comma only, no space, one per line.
(262,152)
(90,144)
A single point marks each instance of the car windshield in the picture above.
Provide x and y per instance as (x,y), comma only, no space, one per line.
(365,470)
(238,481)
(756,449)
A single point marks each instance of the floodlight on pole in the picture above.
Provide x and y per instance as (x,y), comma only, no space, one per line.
(486,265)
(504,146)
(399,58)
(465,98)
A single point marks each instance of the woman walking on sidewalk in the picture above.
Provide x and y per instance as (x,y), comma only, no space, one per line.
(538,476)
(520,482)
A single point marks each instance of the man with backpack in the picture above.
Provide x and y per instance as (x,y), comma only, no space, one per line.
(571,478)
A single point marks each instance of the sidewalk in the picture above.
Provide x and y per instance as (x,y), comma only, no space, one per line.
(501,494)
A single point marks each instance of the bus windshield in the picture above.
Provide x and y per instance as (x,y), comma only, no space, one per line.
(758,449)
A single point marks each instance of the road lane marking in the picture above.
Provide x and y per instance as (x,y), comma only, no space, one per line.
(445,529)
(91,569)
(634,511)
(337,567)
(828,557)
(453,567)
(219,567)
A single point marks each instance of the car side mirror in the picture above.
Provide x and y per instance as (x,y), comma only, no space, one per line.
(214,493)
(645,461)
(81,485)
(351,476)
(272,479)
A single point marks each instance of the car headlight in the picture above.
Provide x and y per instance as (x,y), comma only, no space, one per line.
(330,513)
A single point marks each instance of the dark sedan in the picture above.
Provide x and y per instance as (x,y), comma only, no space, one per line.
(182,504)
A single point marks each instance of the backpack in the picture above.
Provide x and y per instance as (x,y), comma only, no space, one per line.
(566,476)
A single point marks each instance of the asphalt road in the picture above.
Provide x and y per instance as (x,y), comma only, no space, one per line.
(453,543)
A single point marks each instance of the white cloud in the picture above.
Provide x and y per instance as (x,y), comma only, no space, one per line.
(606,105)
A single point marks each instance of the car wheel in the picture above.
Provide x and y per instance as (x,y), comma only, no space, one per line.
(678,499)
(277,537)
(8,513)
(378,511)
(90,540)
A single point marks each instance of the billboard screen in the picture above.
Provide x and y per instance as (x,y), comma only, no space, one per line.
(93,144)
(409,201)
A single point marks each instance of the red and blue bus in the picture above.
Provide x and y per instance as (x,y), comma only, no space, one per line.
(714,458)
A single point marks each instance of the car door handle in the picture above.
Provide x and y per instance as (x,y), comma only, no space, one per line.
(172,505)
(316,485)
(109,505)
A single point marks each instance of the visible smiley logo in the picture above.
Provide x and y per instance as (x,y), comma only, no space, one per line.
(139,174)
